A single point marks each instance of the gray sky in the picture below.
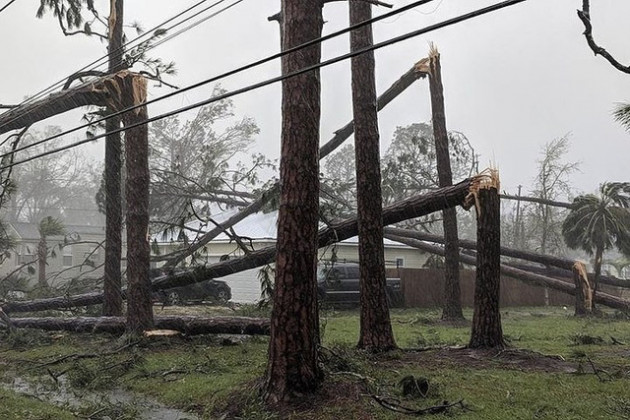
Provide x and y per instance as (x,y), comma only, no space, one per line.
(514,79)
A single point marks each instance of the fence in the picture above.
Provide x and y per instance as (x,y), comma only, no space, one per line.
(425,288)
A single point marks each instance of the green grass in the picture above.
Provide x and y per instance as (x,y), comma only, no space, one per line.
(202,375)
(18,407)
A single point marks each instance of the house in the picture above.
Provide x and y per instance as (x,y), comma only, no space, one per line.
(259,231)
(78,253)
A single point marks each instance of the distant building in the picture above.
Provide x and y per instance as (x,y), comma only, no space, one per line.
(259,231)
(80,252)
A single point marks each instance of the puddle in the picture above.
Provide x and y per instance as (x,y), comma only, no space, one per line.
(62,394)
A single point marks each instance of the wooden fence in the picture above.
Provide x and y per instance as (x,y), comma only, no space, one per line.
(425,288)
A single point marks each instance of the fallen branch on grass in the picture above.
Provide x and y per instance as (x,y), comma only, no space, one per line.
(437,409)
(189,325)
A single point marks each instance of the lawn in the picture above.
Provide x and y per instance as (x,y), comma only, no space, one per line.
(557,367)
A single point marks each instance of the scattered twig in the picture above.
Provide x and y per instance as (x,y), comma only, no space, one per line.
(437,409)
(597,372)
(77,356)
(616,342)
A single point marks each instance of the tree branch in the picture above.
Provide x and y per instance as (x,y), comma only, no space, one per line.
(585,17)
(82,74)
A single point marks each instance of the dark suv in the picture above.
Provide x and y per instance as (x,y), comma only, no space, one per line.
(339,284)
(206,290)
(212,290)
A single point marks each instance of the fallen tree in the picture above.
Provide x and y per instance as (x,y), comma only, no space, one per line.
(188,325)
(340,136)
(526,277)
(96,93)
(564,264)
(410,208)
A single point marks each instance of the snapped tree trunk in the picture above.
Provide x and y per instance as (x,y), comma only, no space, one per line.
(452,309)
(412,207)
(112,283)
(522,275)
(139,303)
(486,328)
(375,333)
(565,265)
(292,368)
(583,293)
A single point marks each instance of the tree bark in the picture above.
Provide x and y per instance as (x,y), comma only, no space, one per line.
(95,93)
(139,304)
(486,328)
(112,283)
(189,325)
(525,276)
(583,294)
(375,332)
(292,368)
(417,206)
(340,136)
(452,310)
(41,262)
(599,252)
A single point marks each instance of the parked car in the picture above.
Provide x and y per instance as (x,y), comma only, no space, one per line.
(207,290)
(339,284)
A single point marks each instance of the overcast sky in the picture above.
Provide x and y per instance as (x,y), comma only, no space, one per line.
(514,79)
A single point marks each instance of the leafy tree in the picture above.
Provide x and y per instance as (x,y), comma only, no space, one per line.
(409,166)
(48,226)
(61,186)
(598,223)
(551,181)
(74,19)
(190,160)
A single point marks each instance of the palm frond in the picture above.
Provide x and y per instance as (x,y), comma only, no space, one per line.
(622,115)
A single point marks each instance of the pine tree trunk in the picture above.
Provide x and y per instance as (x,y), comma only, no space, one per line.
(139,303)
(113,302)
(599,252)
(41,262)
(486,328)
(452,309)
(375,326)
(292,368)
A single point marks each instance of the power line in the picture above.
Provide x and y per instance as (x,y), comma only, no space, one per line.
(391,41)
(7,5)
(128,44)
(99,62)
(228,73)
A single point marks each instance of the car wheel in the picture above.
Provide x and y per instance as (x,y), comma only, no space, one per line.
(174,299)
(222,296)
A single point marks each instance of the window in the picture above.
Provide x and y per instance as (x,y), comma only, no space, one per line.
(353,272)
(67,256)
(400,262)
(27,254)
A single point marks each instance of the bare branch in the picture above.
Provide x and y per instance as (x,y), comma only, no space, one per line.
(81,75)
(585,17)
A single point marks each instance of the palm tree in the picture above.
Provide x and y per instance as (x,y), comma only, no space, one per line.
(597,223)
(48,226)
